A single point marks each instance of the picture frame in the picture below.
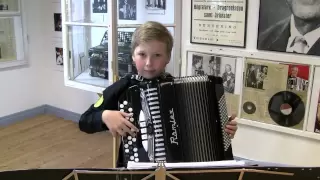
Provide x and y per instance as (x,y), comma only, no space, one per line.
(219,23)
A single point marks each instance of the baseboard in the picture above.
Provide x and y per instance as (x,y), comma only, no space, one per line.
(62,113)
(44,109)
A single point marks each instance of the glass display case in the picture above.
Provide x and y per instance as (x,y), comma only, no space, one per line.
(12,34)
(98,33)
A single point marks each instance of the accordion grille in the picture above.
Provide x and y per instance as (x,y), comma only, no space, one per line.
(201,129)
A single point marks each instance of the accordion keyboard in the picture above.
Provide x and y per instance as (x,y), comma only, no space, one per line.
(155,137)
(129,142)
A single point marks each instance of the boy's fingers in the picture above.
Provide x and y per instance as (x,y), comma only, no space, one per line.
(231,127)
(131,126)
(125,129)
(121,132)
(232,123)
(232,117)
(124,114)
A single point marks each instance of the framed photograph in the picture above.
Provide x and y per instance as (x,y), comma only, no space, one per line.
(221,22)
(291,26)
(57,56)
(255,75)
(56,22)
(156,6)
(100,6)
(127,9)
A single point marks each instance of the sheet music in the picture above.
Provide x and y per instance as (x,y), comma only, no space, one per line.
(146,165)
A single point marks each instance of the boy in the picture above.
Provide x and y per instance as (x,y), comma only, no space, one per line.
(151,50)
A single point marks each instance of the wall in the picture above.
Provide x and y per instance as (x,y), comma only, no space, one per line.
(21,88)
(40,82)
(56,94)
(252,142)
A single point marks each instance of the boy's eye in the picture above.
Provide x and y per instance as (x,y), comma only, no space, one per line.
(141,54)
(158,55)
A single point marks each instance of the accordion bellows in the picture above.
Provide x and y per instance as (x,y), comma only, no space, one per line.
(181,119)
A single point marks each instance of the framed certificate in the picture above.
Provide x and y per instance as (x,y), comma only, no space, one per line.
(220,22)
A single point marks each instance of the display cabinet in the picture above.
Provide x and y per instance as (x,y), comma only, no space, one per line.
(13,35)
(97,36)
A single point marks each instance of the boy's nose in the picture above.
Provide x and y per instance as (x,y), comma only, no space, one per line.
(148,62)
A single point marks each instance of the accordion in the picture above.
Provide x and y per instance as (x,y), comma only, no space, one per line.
(180,119)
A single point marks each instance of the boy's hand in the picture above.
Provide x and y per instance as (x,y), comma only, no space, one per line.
(232,126)
(118,124)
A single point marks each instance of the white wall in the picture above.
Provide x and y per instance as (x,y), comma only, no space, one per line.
(28,87)
(252,142)
(21,88)
(56,94)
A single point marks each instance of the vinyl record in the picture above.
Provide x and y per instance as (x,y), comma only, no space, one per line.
(249,107)
(286,108)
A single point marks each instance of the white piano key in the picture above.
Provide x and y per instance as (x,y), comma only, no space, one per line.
(160,154)
(154,107)
(144,130)
(159,140)
(144,137)
(143,124)
(160,149)
(158,130)
(155,112)
(156,126)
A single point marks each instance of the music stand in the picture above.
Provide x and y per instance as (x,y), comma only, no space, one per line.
(161,173)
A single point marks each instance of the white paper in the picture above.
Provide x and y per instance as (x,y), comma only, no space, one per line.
(146,165)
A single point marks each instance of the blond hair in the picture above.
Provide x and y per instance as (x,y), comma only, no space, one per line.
(152,30)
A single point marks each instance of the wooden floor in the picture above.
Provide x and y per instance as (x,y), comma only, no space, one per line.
(50,142)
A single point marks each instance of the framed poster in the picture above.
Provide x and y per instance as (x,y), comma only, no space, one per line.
(291,26)
(221,22)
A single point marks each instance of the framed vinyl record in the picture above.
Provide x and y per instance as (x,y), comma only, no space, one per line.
(221,22)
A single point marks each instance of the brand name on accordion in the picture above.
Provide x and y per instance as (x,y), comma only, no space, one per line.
(174,137)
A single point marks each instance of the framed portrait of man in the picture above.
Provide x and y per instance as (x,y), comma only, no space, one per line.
(291,26)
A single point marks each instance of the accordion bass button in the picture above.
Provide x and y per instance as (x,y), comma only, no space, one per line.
(121,106)
(131,158)
(131,119)
(126,145)
(135,154)
(130,109)
(129,137)
(127,150)
(134,139)
(121,110)
(135,149)
(136,160)
(130,142)
(125,102)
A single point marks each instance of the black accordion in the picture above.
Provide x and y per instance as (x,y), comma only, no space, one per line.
(180,119)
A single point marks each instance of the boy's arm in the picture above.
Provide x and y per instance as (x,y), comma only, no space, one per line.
(91,120)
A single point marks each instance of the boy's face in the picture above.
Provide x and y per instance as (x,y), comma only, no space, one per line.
(151,58)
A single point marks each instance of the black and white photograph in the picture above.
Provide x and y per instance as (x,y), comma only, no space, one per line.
(291,26)
(225,67)
(57,22)
(255,76)
(59,56)
(127,9)
(156,4)
(100,6)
